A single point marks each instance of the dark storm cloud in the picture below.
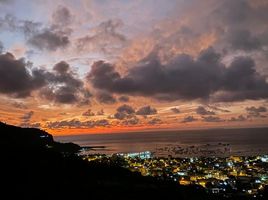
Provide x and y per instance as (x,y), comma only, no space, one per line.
(244,40)
(202,111)
(103,75)
(49,40)
(105,38)
(146,110)
(64,87)
(20,80)
(256,111)
(27,117)
(64,94)
(106,98)
(240,118)
(244,24)
(245,12)
(75,123)
(17,79)
(185,78)
(175,110)
(188,119)
(123,99)
(212,119)
(62,67)
(242,81)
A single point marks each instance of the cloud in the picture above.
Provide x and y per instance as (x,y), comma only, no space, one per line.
(175,110)
(126,109)
(62,67)
(123,99)
(103,75)
(64,87)
(75,123)
(104,38)
(16,77)
(27,27)
(64,94)
(19,79)
(106,98)
(100,112)
(120,115)
(19,105)
(27,117)
(146,110)
(256,111)
(244,29)
(62,16)
(240,118)
(133,120)
(31,125)
(243,82)
(244,40)
(212,119)
(202,111)
(88,113)
(155,121)
(185,78)
(218,109)
(57,35)
(49,40)
(41,36)
(188,119)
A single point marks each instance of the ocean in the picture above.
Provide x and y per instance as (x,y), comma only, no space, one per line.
(187,143)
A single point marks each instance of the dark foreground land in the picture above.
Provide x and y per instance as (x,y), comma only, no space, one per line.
(34,166)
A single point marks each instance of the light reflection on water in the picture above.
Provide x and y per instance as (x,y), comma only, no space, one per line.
(179,143)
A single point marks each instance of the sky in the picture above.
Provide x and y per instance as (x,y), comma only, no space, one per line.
(104,66)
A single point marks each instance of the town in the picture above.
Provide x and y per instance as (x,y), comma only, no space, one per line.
(221,176)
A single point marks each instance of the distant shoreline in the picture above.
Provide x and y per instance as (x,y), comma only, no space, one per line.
(150,131)
(93,147)
(178,143)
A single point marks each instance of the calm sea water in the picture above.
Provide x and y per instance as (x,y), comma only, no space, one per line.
(213,142)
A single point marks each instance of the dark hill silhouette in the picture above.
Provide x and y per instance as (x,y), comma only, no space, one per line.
(34,166)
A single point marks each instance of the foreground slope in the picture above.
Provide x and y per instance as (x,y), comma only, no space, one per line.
(34,166)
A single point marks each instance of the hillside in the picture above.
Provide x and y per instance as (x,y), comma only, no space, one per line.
(34,166)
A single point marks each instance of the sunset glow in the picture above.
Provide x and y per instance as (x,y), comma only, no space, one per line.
(78,66)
